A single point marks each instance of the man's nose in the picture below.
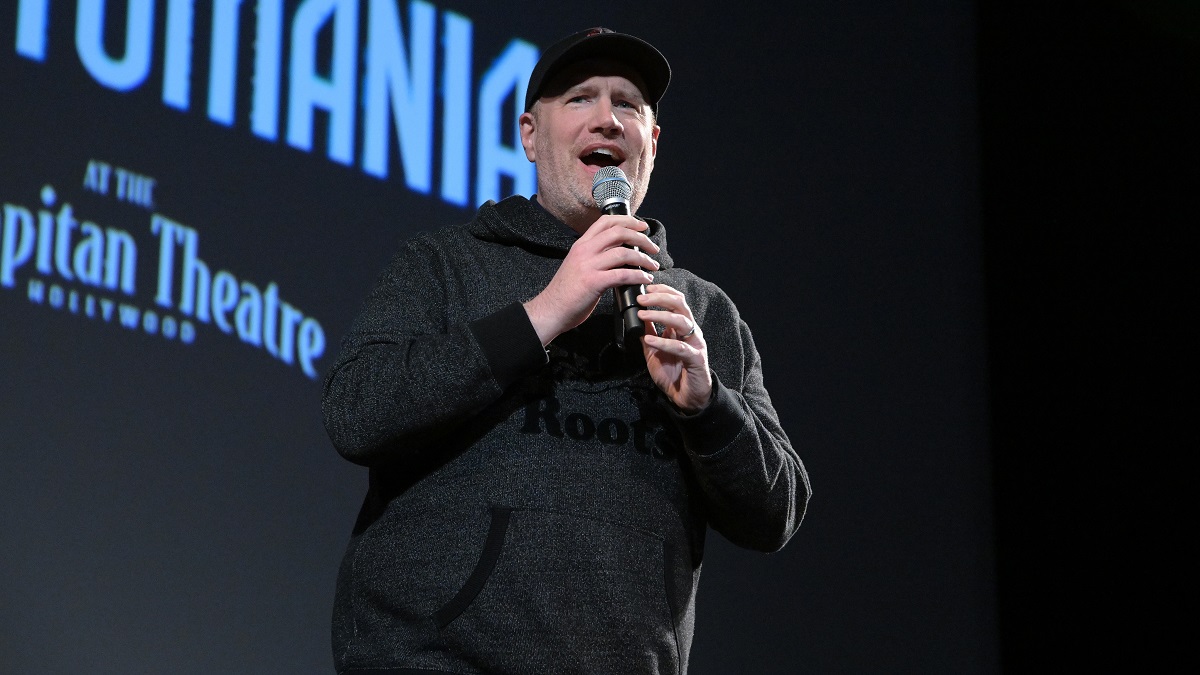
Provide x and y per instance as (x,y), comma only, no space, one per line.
(604,119)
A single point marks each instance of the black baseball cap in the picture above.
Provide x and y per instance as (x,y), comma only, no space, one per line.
(634,52)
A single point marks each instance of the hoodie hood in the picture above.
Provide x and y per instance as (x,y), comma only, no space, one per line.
(518,221)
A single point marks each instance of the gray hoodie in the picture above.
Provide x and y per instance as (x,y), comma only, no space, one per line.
(530,510)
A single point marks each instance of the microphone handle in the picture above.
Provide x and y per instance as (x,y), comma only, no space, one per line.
(628,327)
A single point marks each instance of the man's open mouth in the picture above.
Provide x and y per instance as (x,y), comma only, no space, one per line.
(602,157)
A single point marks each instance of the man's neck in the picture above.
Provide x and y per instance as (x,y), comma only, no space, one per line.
(580,223)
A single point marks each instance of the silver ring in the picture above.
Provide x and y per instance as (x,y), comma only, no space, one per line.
(691,332)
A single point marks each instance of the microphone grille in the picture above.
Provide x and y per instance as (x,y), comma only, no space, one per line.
(610,184)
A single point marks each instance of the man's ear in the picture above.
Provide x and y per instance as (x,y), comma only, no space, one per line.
(528,134)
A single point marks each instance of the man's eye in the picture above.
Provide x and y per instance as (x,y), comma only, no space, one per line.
(577,99)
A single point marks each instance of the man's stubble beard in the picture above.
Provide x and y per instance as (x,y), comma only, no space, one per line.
(572,200)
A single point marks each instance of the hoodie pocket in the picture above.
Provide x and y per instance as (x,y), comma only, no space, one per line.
(555,592)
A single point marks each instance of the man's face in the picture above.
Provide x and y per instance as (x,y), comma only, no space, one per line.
(592,115)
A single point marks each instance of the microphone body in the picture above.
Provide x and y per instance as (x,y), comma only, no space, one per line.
(611,190)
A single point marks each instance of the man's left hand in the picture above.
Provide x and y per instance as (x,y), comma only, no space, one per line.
(678,359)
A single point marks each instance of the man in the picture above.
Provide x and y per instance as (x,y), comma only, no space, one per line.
(538,497)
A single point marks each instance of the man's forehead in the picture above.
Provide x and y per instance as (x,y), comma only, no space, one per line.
(581,71)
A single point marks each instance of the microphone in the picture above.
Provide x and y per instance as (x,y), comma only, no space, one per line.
(611,190)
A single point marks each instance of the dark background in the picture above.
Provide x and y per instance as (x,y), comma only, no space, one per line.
(956,229)
(1088,118)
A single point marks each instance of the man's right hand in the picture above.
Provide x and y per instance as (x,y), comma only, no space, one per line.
(599,260)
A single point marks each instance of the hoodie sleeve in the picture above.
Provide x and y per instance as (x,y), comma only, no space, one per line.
(755,488)
(407,372)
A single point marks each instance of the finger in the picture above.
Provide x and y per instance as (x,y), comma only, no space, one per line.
(624,220)
(679,323)
(620,256)
(588,256)
(628,239)
(625,276)
(679,348)
(610,224)
(664,288)
(621,230)
(672,301)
